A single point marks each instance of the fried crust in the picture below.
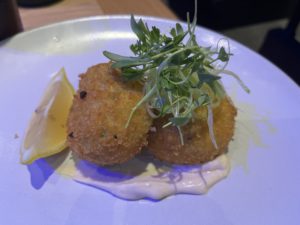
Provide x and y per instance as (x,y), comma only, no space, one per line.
(165,144)
(100,110)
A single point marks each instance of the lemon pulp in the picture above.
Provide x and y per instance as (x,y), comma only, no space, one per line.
(47,131)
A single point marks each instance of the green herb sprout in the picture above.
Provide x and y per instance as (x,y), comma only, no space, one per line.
(179,76)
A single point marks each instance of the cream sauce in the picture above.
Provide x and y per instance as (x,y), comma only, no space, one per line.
(145,177)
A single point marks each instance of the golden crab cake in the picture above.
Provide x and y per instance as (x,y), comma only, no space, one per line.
(97,119)
(164,143)
(103,77)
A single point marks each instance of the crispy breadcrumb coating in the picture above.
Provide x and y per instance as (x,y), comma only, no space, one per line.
(96,123)
(164,143)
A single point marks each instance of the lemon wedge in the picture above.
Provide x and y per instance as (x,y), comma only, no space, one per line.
(47,133)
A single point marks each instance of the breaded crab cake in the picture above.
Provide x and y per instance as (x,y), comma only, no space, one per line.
(97,119)
(164,143)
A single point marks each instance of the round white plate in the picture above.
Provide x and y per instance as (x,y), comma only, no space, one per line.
(264,183)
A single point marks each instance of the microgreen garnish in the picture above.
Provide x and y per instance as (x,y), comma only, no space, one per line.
(179,76)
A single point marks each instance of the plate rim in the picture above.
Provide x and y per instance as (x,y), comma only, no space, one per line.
(151,18)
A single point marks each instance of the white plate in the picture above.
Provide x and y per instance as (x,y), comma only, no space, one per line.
(262,188)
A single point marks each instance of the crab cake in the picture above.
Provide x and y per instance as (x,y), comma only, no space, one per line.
(97,119)
(103,77)
(164,143)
